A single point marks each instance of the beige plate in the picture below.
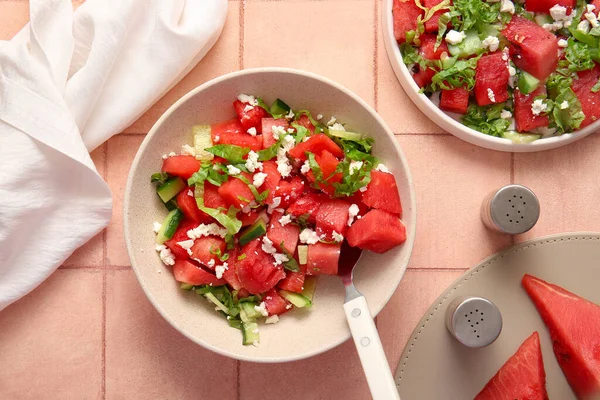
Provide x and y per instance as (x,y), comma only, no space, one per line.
(301,333)
(435,366)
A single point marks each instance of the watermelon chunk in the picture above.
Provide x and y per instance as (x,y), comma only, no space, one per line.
(257,272)
(590,101)
(232,132)
(522,377)
(275,304)
(307,205)
(289,191)
(432,24)
(187,204)
(545,5)
(377,231)
(491,79)
(271,181)
(180,236)
(455,100)
(188,272)
(533,49)
(524,118)
(328,164)
(236,193)
(304,121)
(250,116)
(332,216)
(278,234)
(427,50)
(205,248)
(323,259)
(316,144)
(182,166)
(294,281)
(267,130)
(405,13)
(574,325)
(382,193)
(212,198)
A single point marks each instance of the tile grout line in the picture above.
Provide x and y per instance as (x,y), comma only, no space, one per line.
(131,134)
(238,365)
(422,269)
(375,58)
(242,28)
(104,279)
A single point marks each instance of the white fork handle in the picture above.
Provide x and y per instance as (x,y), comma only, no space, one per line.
(375,364)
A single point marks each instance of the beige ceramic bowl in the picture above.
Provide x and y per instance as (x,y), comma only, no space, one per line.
(300,333)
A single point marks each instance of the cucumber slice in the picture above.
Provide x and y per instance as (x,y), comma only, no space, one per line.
(296,299)
(186,286)
(250,333)
(303,254)
(217,303)
(490,30)
(170,188)
(527,83)
(520,137)
(256,230)
(310,285)
(469,46)
(235,323)
(586,38)
(169,226)
(279,108)
(171,205)
(202,141)
(346,135)
(248,313)
(542,19)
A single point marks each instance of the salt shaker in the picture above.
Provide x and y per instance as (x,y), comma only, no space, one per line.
(512,209)
(473,321)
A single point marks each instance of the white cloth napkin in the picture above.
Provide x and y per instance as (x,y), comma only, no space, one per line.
(68,82)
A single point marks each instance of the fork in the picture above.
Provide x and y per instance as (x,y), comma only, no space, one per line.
(364,332)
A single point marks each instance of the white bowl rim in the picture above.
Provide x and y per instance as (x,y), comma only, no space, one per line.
(446,122)
(410,230)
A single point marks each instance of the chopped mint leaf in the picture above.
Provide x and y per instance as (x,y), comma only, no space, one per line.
(232,153)
(455,73)
(269,153)
(301,132)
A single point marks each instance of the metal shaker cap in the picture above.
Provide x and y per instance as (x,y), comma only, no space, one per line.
(512,209)
(474,321)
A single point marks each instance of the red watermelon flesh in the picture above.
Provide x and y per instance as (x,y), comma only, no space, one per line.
(405,13)
(432,24)
(574,325)
(382,193)
(377,231)
(455,100)
(524,118)
(522,377)
(590,101)
(545,5)
(267,130)
(427,50)
(491,77)
(596,3)
(283,234)
(533,49)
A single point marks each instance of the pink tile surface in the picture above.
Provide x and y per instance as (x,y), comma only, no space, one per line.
(147,358)
(89,331)
(51,340)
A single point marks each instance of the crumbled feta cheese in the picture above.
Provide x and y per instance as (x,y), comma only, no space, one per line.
(355,166)
(564,105)
(259,179)
(538,107)
(231,170)
(217,138)
(288,307)
(252,131)
(505,55)
(505,114)
(156,226)
(273,319)
(562,43)
(308,236)
(290,115)
(363,189)
(246,209)
(164,156)
(283,163)
(220,270)
(280,259)
(186,244)
(491,42)
(382,168)
(186,149)
(288,142)
(511,70)
(211,263)
(353,211)
(172,154)
(553,26)
(248,108)
(590,7)
(584,26)
(331,121)
(337,127)
(277,131)
(491,95)
(319,116)
(558,12)
(507,6)
(455,37)
(305,167)
(519,39)
(276,202)
(255,343)
(262,309)
(338,237)
(165,254)
(285,219)
(291,130)
(244,98)
(206,230)
(252,163)
(267,245)
(567,23)
(590,16)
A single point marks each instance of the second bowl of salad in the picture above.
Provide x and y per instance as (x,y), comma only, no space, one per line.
(238,203)
(512,76)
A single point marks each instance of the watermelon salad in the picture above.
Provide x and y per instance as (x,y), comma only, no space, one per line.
(520,70)
(259,205)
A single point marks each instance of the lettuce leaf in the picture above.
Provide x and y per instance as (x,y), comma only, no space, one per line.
(486,119)
(232,153)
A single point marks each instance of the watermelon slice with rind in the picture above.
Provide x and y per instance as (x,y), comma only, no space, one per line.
(574,325)
(522,377)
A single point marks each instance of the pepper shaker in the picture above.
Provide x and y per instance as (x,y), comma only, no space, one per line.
(512,209)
